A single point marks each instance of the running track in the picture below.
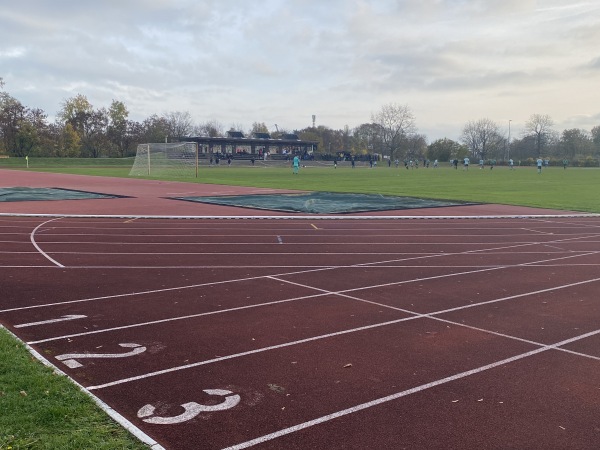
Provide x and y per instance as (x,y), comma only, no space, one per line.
(323,334)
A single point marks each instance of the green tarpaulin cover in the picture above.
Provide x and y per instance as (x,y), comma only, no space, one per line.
(22,194)
(323,202)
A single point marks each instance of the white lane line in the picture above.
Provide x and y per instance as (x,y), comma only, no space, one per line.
(389,398)
(173,319)
(282,253)
(444,311)
(515,338)
(296,272)
(44,254)
(536,231)
(433,314)
(375,242)
(28,267)
(297,230)
(342,293)
(337,333)
(249,352)
(577,225)
(152,291)
(44,322)
(555,247)
(338,218)
(312,267)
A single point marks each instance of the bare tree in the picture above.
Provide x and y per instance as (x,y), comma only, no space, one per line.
(576,142)
(95,140)
(481,137)
(416,147)
(395,123)
(211,128)
(259,127)
(154,129)
(446,149)
(366,138)
(539,126)
(180,124)
(236,127)
(596,138)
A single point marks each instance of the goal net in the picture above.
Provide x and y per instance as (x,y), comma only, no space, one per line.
(179,159)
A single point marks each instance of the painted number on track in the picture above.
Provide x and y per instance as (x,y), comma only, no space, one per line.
(45,322)
(191,409)
(69,359)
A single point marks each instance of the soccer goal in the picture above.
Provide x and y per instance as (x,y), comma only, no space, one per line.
(175,159)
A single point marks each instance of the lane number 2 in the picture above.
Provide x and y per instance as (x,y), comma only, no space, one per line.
(69,359)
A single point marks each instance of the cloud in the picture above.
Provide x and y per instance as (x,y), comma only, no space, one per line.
(284,60)
(594,64)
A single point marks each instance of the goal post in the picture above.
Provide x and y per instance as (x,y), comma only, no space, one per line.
(174,159)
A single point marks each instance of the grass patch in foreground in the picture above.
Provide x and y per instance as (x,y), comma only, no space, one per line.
(42,410)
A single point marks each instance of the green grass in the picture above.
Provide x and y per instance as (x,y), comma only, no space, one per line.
(42,410)
(576,189)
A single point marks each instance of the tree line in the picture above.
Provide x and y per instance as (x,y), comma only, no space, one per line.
(82,130)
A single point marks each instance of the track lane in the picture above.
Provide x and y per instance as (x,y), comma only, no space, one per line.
(417,350)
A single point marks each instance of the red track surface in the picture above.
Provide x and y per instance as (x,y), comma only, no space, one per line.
(321,334)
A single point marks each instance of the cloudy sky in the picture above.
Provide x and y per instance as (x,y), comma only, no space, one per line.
(281,61)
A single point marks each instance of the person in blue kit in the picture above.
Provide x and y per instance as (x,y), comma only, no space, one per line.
(296,164)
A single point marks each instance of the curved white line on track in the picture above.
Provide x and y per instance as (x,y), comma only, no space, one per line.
(42,252)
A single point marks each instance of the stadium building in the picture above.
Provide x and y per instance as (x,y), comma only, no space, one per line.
(260,145)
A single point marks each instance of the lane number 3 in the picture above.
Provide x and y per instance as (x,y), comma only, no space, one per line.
(191,409)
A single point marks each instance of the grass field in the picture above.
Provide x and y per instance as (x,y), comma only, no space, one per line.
(39,410)
(576,189)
